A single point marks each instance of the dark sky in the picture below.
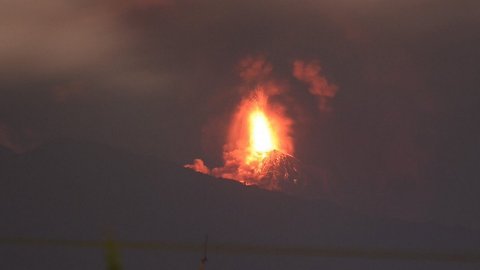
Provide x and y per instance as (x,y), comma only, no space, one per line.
(161,77)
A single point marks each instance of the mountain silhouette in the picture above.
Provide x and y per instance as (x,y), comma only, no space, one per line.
(78,190)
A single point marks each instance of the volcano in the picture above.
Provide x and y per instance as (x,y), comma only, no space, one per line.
(281,172)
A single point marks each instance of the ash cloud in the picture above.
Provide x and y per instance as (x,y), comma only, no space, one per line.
(311,73)
(255,69)
(199,166)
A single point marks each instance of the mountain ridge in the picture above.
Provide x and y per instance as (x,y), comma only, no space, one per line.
(72,191)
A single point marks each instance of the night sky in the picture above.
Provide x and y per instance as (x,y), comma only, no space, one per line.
(161,77)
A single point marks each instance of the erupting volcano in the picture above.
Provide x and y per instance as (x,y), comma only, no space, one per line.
(259,147)
(261,134)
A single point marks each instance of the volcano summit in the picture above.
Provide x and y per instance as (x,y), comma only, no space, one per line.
(280,171)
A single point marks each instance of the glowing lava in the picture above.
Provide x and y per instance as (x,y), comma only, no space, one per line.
(258,128)
(262,139)
(257,144)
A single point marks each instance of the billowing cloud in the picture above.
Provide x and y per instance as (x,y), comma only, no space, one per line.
(198,166)
(255,68)
(319,86)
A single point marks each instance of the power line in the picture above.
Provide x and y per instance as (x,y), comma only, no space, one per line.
(229,248)
(204,259)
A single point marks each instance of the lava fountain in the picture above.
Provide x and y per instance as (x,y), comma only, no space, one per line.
(259,146)
(262,137)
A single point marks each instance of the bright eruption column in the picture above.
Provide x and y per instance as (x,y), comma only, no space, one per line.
(262,139)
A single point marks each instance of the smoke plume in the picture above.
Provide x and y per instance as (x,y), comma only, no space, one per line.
(254,68)
(257,89)
(311,73)
(199,166)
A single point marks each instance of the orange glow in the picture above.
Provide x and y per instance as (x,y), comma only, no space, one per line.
(261,134)
(257,128)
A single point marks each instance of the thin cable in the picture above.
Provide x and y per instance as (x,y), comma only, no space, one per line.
(467,257)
